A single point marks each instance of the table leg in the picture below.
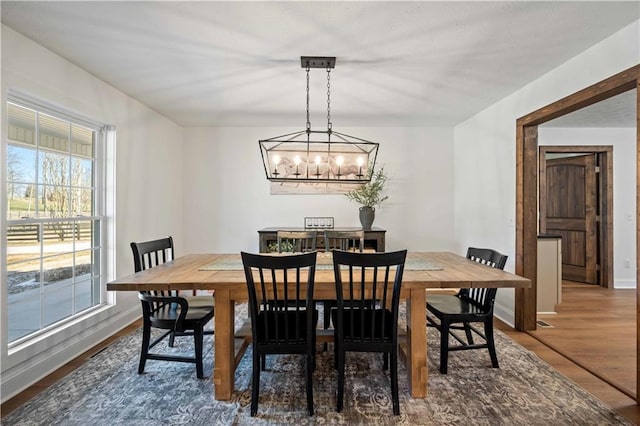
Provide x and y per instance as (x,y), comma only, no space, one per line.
(417,372)
(224,360)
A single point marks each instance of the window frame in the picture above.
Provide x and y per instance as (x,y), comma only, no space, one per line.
(99,214)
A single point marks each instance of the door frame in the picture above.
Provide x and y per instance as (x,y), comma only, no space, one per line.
(605,182)
(527,187)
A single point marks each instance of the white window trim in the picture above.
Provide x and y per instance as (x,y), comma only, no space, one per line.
(105,204)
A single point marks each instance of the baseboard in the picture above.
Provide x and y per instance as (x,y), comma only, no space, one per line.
(624,284)
(504,314)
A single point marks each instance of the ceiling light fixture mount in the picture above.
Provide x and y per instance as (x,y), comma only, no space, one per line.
(318,156)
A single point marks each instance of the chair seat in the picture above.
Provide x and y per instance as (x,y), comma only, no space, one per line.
(446,304)
(199,301)
(166,318)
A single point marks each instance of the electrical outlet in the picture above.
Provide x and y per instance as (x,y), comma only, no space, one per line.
(627,263)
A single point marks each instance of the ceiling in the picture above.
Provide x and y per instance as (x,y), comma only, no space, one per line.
(617,111)
(398,63)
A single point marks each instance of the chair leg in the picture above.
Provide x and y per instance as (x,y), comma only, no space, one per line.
(263,362)
(327,319)
(488,332)
(313,353)
(172,338)
(146,337)
(255,382)
(335,351)
(394,383)
(467,331)
(444,346)
(340,397)
(310,366)
(198,336)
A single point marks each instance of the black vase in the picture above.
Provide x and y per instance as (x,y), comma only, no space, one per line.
(367,215)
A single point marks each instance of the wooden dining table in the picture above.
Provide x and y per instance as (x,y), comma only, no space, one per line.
(223,274)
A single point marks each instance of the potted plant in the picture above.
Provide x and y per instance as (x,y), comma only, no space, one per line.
(369,196)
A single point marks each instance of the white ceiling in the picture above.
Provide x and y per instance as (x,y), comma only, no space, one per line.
(398,63)
(617,111)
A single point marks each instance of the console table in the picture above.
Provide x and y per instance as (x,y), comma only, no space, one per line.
(373,238)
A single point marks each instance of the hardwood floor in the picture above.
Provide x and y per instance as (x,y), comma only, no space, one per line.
(585,309)
(605,312)
(592,341)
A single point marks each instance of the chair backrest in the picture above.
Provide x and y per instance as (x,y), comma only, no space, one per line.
(279,289)
(487,257)
(148,254)
(483,298)
(368,295)
(296,241)
(344,240)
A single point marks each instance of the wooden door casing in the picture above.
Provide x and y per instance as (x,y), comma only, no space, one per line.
(527,194)
(570,209)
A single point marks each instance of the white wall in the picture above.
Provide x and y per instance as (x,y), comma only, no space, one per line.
(227,195)
(624,188)
(484,149)
(148,179)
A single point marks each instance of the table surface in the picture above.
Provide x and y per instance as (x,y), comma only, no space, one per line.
(185,273)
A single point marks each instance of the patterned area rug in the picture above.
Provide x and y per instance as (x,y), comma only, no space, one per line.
(108,391)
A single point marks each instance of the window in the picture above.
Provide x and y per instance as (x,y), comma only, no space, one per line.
(54,218)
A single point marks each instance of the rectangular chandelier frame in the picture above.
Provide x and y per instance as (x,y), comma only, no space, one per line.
(312,156)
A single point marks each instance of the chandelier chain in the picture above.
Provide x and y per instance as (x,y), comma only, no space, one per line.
(329,98)
(308,121)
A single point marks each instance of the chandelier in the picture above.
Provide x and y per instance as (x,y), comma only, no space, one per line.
(318,156)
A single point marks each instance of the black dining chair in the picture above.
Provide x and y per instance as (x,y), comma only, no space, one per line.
(366,318)
(468,306)
(296,241)
(339,240)
(280,290)
(148,254)
(179,316)
(344,240)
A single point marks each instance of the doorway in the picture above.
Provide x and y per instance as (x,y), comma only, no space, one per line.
(576,202)
(527,185)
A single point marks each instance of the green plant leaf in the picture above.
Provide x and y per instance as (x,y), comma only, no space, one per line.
(370,193)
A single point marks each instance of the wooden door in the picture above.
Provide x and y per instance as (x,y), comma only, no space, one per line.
(571,210)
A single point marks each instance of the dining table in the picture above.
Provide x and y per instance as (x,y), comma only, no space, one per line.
(223,275)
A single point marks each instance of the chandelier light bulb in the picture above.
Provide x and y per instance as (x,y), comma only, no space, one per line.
(339,161)
(296,161)
(276,161)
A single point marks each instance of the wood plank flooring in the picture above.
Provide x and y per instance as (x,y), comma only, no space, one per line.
(592,342)
(571,316)
(588,311)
